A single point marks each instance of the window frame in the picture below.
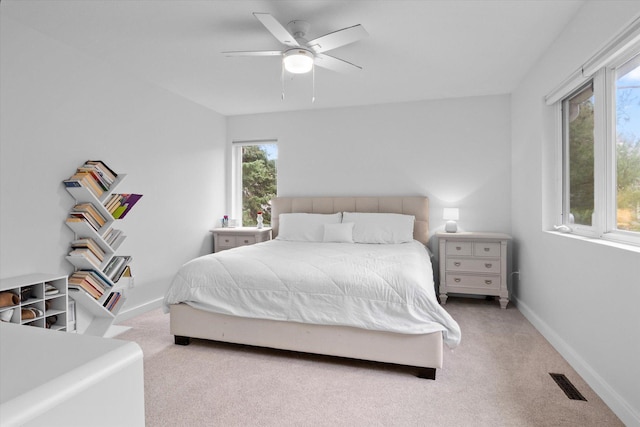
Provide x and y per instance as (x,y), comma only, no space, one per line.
(611,230)
(582,229)
(604,221)
(236,174)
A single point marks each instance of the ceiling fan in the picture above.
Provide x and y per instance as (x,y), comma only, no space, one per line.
(300,55)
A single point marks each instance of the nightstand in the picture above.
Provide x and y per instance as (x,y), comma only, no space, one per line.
(474,263)
(232,237)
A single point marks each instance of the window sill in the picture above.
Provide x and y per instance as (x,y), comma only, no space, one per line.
(618,245)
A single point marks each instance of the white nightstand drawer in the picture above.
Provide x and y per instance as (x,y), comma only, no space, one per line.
(227,241)
(488,249)
(474,265)
(245,240)
(228,237)
(459,248)
(467,281)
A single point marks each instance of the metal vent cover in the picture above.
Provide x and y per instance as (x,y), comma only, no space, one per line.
(569,389)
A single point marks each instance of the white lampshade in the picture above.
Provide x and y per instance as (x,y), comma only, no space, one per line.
(451,215)
(298,61)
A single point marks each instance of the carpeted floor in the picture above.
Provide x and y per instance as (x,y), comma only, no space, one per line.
(498,376)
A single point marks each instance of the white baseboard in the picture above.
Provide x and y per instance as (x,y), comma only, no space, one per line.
(115,330)
(617,403)
(138,310)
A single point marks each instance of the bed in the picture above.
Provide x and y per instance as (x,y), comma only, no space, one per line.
(417,341)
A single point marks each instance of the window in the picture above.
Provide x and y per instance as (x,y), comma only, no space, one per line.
(601,152)
(599,108)
(579,161)
(254,180)
(627,113)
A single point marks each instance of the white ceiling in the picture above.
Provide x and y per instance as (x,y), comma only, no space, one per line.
(416,50)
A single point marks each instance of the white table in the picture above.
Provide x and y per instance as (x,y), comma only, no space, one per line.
(474,263)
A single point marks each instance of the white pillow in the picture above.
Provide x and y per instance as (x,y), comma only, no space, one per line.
(305,227)
(338,233)
(380,227)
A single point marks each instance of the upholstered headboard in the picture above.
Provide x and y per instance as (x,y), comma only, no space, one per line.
(418,206)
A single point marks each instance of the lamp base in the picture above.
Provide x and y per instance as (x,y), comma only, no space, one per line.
(451,227)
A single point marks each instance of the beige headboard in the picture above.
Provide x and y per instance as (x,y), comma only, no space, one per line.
(418,206)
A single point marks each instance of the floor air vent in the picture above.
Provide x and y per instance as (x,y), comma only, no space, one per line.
(569,389)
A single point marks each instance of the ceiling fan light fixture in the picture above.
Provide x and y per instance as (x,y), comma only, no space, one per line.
(298,61)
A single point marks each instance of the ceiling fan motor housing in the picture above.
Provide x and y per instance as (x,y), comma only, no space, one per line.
(298,28)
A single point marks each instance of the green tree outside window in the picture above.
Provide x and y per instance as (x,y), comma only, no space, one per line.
(259,182)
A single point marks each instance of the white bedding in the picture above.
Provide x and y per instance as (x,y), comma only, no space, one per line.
(370,286)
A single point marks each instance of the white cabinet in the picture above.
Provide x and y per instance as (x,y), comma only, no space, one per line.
(95,285)
(55,379)
(35,300)
(232,237)
(474,263)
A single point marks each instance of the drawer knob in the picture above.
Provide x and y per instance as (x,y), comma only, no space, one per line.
(246,241)
(486,249)
(457,263)
(488,264)
(457,280)
(488,282)
(458,248)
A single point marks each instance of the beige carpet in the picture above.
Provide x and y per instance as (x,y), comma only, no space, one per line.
(498,376)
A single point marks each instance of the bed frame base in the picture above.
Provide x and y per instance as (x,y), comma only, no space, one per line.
(181,340)
(424,373)
(427,373)
(420,351)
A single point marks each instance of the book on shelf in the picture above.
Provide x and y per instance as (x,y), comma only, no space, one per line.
(82,280)
(85,286)
(80,217)
(116,267)
(113,202)
(104,184)
(108,300)
(91,210)
(102,278)
(89,213)
(115,307)
(113,237)
(126,202)
(91,245)
(104,170)
(86,180)
(92,281)
(113,266)
(94,175)
(113,301)
(86,254)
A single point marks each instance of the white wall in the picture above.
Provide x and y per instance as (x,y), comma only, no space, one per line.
(456,151)
(60,108)
(582,295)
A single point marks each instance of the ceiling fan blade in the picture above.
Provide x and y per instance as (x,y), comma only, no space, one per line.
(276,28)
(335,64)
(253,53)
(338,38)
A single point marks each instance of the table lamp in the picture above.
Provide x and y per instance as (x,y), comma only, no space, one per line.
(451,216)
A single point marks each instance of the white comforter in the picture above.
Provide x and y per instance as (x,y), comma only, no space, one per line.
(377,287)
